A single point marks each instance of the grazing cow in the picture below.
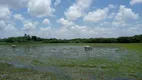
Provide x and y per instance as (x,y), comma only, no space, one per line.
(13,46)
(88,48)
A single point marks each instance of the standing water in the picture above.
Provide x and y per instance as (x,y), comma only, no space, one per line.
(68,61)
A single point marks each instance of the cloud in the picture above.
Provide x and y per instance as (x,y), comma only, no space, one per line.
(40,8)
(57,2)
(11,31)
(112,15)
(77,10)
(125,15)
(8,29)
(99,14)
(46,21)
(14,3)
(131,30)
(105,19)
(72,30)
(2,25)
(95,16)
(73,13)
(29,27)
(76,31)
(45,32)
(18,17)
(133,2)
(65,22)
(4,13)
(46,29)
(11,28)
(111,6)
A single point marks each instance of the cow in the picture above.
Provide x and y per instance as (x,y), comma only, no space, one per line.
(13,46)
(88,48)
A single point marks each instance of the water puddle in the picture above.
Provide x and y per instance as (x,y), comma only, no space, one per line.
(23,57)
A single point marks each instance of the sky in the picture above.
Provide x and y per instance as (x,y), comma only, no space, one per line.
(67,19)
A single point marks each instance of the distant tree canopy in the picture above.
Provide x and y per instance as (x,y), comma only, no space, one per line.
(28,38)
(133,39)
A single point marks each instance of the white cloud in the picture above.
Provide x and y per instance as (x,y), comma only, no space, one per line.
(40,8)
(77,10)
(100,14)
(18,17)
(72,30)
(57,2)
(133,2)
(46,29)
(112,15)
(65,22)
(97,15)
(111,6)
(81,31)
(46,21)
(105,23)
(76,31)
(131,30)
(4,13)
(45,32)
(8,29)
(2,25)
(11,28)
(69,29)
(14,3)
(119,24)
(5,19)
(29,27)
(73,13)
(125,15)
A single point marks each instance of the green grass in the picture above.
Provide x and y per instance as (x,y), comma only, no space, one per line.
(9,72)
(126,68)
(133,46)
(136,46)
(130,66)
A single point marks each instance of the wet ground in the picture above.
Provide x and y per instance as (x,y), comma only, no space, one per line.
(73,62)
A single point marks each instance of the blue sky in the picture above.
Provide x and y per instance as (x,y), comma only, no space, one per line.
(68,19)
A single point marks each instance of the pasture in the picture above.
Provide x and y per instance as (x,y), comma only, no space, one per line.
(71,62)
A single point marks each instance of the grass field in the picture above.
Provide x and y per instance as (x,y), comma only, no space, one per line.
(127,65)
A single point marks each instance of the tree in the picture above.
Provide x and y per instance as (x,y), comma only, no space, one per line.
(34,38)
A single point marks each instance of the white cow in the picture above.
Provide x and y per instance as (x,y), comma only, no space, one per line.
(13,46)
(88,48)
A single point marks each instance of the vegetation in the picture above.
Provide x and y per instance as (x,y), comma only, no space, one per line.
(9,72)
(127,67)
(27,38)
(100,68)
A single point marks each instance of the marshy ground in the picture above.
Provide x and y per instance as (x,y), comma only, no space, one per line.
(71,62)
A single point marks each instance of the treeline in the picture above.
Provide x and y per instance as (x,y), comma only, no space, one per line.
(27,38)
